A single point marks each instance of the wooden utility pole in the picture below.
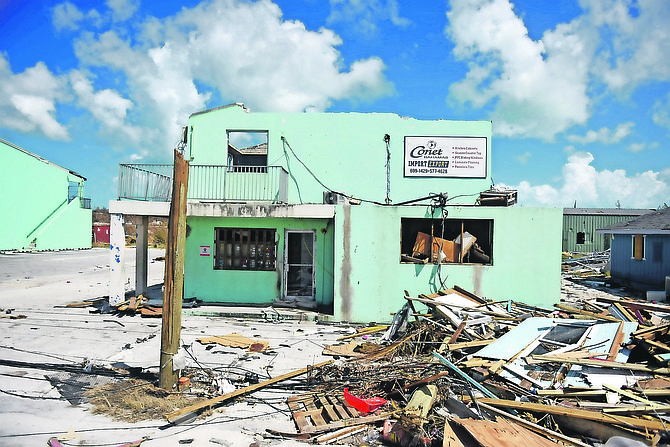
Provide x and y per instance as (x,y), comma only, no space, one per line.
(174,274)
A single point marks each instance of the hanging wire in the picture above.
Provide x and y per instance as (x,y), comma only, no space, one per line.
(387,140)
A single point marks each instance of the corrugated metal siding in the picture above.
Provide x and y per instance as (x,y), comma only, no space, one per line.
(648,274)
(588,224)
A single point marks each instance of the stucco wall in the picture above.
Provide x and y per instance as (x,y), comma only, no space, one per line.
(35,205)
(252,287)
(370,282)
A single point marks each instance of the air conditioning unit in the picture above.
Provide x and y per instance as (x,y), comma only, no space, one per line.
(498,197)
(333,198)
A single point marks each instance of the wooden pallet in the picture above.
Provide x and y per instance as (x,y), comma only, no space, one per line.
(314,413)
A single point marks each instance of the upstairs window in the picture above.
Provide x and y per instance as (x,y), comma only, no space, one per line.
(437,240)
(247,151)
(245,249)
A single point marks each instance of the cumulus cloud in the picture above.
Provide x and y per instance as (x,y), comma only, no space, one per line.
(541,88)
(243,52)
(661,112)
(66,16)
(108,107)
(526,81)
(28,100)
(604,134)
(123,9)
(581,182)
(634,40)
(365,15)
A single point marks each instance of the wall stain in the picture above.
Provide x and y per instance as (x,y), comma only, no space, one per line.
(345,282)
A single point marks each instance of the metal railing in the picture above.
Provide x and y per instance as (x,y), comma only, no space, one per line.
(153,182)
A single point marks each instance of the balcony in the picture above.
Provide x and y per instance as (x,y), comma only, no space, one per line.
(153,183)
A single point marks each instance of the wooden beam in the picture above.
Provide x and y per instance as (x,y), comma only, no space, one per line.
(174,275)
(644,424)
(176,415)
(601,363)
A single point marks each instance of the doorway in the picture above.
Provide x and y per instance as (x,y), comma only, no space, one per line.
(299,256)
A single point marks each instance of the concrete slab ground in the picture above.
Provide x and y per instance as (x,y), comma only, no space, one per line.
(39,285)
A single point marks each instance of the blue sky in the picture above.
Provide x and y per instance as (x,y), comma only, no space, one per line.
(578,91)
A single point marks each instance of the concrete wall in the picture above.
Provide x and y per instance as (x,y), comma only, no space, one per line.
(35,209)
(252,287)
(370,280)
(345,151)
(360,272)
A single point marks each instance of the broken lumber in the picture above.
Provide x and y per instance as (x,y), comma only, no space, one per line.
(643,424)
(179,414)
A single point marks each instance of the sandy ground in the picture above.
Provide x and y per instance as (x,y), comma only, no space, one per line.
(39,285)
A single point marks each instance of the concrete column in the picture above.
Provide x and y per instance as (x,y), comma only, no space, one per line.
(141,255)
(117,245)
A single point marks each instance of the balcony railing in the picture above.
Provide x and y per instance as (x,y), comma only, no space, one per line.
(153,182)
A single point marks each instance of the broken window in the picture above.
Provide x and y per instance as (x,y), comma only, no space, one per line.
(247,151)
(580,237)
(638,246)
(245,249)
(439,240)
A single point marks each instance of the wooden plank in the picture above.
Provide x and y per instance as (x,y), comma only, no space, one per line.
(175,415)
(616,343)
(643,424)
(450,438)
(536,428)
(469,344)
(420,404)
(574,310)
(602,364)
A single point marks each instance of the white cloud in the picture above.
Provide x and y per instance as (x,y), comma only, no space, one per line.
(244,51)
(28,100)
(637,147)
(540,88)
(66,16)
(533,91)
(634,41)
(523,158)
(108,107)
(661,112)
(365,15)
(604,134)
(123,9)
(582,183)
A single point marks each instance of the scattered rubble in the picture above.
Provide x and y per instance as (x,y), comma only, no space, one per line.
(465,370)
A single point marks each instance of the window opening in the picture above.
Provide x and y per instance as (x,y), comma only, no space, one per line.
(658,251)
(299,263)
(581,238)
(638,246)
(439,240)
(245,249)
(247,151)
(72,191)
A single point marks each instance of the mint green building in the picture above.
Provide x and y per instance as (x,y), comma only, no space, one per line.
(343,212)
(43,206)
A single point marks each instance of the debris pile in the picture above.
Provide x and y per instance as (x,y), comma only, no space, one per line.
(469,371)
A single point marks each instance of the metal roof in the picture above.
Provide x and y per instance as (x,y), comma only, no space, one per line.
(606,211)
(655,222)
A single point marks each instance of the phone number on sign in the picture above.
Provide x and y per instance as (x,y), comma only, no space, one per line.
(427,171)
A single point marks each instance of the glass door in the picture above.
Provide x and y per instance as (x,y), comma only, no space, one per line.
(299,263)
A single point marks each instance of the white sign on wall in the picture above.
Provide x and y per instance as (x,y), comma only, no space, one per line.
(205,250)
(463,157)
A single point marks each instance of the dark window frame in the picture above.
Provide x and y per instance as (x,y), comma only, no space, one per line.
(251,249)
(445,232)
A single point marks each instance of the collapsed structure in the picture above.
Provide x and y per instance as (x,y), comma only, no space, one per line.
(340,211)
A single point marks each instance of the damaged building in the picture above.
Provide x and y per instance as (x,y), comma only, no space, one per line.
(341,212)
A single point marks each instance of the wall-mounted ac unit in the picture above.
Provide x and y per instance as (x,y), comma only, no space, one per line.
(333,198)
